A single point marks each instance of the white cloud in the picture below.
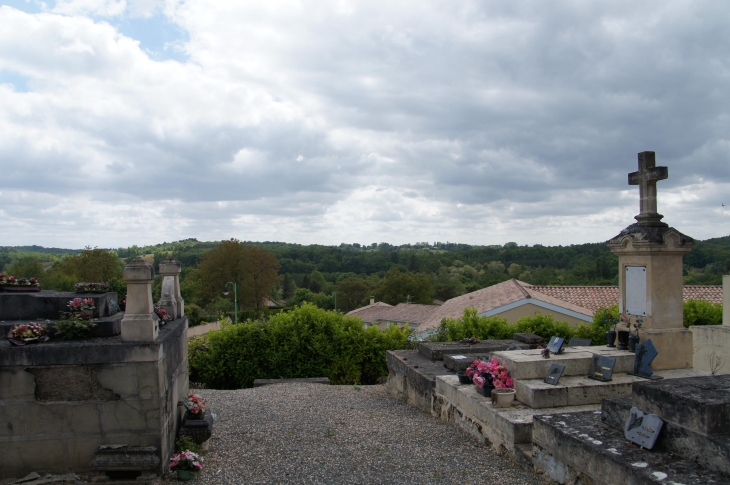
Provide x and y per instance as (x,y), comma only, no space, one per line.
(338,121)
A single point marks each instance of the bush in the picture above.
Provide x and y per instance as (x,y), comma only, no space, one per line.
(701,312)
(194,314)
(484,328)
(305,342)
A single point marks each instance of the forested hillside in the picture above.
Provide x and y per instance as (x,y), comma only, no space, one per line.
(345,276)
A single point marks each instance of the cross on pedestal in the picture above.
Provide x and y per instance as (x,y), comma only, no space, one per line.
(646,178)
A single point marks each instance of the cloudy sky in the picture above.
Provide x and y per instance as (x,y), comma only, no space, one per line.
(482,122)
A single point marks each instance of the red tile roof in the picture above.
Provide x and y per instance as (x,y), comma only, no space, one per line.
(410,312)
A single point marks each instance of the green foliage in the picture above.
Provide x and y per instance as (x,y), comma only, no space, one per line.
(186,443)
(352,292)
(73,328)
(494,327)
(398,286)
(194,314)
(607,317)
(701,312)
(302,295)
(305,342)
(26,267)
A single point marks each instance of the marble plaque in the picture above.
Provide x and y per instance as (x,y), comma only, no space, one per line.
(459,357)
(636,290)
(642,429)
(645,353)
(556,345)
(601,368)
(554,374)
(580,342)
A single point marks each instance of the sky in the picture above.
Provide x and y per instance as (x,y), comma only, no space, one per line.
(321,122)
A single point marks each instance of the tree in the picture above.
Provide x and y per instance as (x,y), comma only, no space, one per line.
(92,265)
(254,271)
(397,287)
(261,274)
(288,287)
(27,267)
(351,292)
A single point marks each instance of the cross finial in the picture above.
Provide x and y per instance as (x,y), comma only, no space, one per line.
(646,178)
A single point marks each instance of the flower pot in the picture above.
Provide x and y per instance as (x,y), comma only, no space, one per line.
(504,397)
(463,378)
(185,475)
(633,342)
(199,430)
(86,314)
(611,338)
(623,340)
(485,391)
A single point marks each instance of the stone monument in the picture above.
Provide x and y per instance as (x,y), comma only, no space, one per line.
(650,272)
(171,299)
(140,324)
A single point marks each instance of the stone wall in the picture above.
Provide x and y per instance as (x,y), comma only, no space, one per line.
(60,400)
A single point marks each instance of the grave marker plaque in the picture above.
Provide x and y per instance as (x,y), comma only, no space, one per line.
(580,342)
(642,429)
(601,368)
(554,374)
(645,353)
(556,345)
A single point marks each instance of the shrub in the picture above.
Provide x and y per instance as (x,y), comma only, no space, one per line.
(483,328)
(194,314)
(701,312)
(305,342)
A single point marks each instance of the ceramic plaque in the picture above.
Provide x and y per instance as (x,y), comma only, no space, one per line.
(580,342)
(645,353)
(555,345)
(636,290)
(601,368)
(554,374)
(642,429)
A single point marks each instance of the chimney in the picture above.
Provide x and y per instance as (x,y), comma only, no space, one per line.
(372,300)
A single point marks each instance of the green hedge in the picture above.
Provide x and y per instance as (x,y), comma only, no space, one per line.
(304,342)
(470,324)
(701,312)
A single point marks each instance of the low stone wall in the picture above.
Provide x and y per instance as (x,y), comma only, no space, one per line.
(711,341)
(203,329)
(60,400)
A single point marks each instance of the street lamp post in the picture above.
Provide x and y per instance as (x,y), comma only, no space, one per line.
(235,301)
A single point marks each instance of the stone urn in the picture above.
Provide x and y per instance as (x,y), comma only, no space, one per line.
(197,429)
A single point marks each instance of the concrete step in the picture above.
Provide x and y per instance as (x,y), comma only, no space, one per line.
(701,404)
(530,364)
(437,350)
(580,390)
(615,411)
(579,445)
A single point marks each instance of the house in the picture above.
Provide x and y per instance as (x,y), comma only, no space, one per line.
(383,315)
(513,299)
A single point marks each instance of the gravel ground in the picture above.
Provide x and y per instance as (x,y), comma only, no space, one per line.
(314,433)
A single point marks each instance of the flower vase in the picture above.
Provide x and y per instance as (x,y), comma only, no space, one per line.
(485,391)
(86,314)
(611,338)
(463,378)
(504,397)
(623,340)
(185,475)
(633,342)
(198,428)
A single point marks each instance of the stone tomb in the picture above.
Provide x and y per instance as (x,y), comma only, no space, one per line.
(693,446)
(61,400)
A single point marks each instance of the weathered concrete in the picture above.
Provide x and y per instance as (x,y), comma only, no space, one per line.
(578,449)
(530,364)
(203,329)
(437,350)
(47,305)
(60,400)
(580,390)
(140,324)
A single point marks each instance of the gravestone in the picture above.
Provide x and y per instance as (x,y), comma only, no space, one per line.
(645,354)
(650,271)
(601,368)
(580,342)
(139,323)
(170,298)
(643,429)
(554,373)
(556,345)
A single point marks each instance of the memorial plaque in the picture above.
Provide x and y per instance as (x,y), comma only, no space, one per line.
(580,342)
(636,290)
(642,429)
(601,368)
(459,357)
(554,374)
(556,345)
(645,353)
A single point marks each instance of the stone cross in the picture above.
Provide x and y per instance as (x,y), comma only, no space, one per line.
(646,178)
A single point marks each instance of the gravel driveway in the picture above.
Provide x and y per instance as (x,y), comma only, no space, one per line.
(314,433)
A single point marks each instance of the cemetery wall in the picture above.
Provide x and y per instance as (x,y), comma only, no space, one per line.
(60,400)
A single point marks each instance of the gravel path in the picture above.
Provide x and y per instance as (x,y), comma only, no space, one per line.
(314,433)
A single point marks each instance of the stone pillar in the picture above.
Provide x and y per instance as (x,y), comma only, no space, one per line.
(139,322)
(170,298)
(726,301)
(651,284)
